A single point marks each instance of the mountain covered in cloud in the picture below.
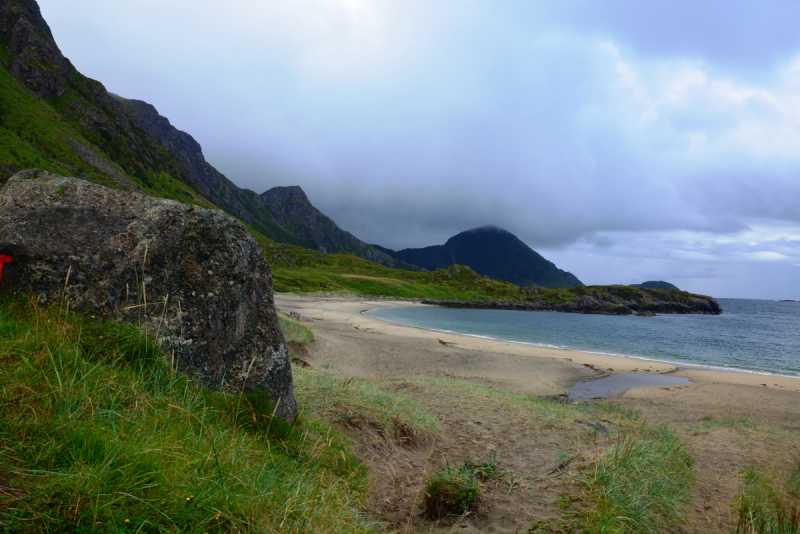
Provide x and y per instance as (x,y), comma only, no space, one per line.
(492,252)
(53,117)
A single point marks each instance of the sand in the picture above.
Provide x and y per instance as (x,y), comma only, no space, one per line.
(354,345)
(361,346)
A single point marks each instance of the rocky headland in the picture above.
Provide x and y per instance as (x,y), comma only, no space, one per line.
(605,300)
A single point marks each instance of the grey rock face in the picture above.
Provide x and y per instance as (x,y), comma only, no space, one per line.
(37,60)
(194,277)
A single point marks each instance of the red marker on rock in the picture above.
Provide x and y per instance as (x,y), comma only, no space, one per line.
(3,261)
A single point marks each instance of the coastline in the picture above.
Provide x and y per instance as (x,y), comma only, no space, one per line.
(683,365)
(729,421)
(533,369)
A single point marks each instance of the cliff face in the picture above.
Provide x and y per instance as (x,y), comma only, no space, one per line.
(492,252)
(313,229)
(93,134)
(36,60)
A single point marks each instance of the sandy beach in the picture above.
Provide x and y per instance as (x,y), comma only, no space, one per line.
(359,345)
(355,345)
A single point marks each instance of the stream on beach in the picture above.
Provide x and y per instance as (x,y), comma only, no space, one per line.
(751,335)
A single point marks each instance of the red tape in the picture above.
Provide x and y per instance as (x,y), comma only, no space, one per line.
(3,261)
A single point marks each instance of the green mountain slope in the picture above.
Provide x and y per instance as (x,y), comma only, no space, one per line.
(52,117)
(492,252)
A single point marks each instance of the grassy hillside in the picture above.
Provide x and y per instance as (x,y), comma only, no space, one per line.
(34,134)
(98,434)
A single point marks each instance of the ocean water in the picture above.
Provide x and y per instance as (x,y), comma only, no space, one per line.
(751,335)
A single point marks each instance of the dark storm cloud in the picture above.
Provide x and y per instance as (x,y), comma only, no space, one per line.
(582,127)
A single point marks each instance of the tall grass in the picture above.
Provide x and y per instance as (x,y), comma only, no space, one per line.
(98,434)
(769,503)
(643,483)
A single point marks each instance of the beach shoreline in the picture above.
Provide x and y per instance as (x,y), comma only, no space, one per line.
(728,421)
(523,367)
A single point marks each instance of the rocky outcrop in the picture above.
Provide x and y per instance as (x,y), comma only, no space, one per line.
(656,284)
(610,300)
(195,277)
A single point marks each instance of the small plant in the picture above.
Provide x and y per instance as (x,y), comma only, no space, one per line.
(489,469)
(452,492)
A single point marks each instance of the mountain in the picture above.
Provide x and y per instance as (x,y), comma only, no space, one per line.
(656,284)
(54,118)
(492,252)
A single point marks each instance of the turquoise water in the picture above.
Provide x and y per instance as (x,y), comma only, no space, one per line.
(751,335)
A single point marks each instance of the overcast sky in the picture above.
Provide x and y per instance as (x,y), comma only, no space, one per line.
(624,140)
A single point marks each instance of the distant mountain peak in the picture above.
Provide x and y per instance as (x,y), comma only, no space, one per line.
(490,251)
(489,228)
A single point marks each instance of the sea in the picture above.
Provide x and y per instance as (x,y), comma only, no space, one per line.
(756,336)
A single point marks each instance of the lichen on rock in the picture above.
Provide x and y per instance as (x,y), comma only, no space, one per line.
(195,277)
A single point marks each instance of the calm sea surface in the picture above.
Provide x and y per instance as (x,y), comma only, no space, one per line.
(751,335)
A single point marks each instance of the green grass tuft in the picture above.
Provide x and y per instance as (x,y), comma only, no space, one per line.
(643,484)
(296,332)
(360,403)
(453,491)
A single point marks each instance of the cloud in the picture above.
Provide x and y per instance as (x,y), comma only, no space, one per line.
(579,127)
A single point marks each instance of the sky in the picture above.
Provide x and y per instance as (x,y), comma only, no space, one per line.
(624,140)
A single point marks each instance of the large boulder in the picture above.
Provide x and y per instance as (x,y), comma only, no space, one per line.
(195,277)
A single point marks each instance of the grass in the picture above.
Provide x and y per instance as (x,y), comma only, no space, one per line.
(639,480)
(769,503)
(295,332)
(643,484)
(712,422)
(365,404)
(98,434)
(453,491)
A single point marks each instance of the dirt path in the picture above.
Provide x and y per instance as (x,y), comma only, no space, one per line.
(474,429)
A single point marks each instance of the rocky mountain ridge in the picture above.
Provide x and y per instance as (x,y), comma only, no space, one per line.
(110,139)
